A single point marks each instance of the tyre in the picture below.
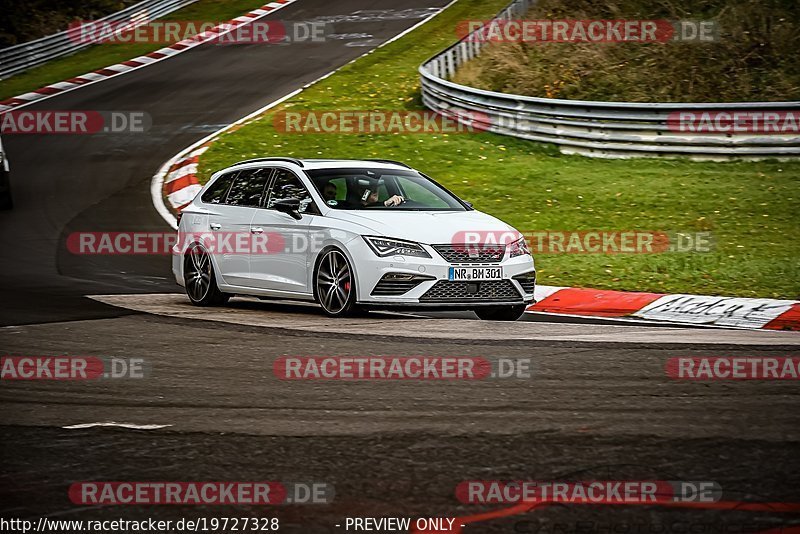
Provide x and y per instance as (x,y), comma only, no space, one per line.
(334,283)
(199,278)
(501,313)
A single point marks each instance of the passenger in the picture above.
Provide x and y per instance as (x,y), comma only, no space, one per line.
(329,191)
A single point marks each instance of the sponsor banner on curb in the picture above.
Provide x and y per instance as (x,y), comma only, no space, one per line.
(587,31)
(169,31)
(721,311)
(587,241)
(70,368)
(735,122)
(587,492)
(74,122)
(379,122)
(733,368)
(399,368)
(751,313)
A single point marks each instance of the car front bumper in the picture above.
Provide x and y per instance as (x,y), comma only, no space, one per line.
(436,290)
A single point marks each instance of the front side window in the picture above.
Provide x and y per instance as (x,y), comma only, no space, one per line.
(288,186)
(361,189)
(248,187)
(215,194)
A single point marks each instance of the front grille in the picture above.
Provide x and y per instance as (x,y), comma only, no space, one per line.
(527,281)
(471,253)
(394,284)
(487,290)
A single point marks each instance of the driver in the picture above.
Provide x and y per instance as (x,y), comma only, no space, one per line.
(369,197)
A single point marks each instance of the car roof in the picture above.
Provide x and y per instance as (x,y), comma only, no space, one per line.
(314,164)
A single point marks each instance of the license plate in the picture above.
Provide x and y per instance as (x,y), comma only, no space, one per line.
(475,273)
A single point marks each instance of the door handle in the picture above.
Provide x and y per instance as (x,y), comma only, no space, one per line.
(214,226)
(256,230)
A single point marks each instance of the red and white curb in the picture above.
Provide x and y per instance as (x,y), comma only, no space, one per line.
(751,313)
(141,61)
(180,182)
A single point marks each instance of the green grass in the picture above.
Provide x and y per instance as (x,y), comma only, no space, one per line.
(750,207)
(99,56)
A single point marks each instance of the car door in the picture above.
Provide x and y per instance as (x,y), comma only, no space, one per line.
(284,264)
(229,221)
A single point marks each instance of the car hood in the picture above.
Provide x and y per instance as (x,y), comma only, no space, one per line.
(430,227)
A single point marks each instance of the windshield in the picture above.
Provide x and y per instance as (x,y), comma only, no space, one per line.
(382,189)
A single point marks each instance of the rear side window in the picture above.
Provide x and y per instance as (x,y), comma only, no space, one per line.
(287,186)
(248,187)
(216,193)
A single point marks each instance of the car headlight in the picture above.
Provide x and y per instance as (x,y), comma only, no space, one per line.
(518,248)
(384,247)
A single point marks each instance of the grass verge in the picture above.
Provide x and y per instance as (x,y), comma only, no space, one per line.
(99,56)
(750,207)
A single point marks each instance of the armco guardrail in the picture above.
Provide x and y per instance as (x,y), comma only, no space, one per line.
(598,129)
(17,58)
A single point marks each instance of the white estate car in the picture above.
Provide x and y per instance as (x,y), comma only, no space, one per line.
(349,235)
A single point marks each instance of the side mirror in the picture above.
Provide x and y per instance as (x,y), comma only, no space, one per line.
(469,204)
(289,206)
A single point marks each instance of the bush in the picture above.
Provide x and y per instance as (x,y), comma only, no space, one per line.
(30,19)
(755,58)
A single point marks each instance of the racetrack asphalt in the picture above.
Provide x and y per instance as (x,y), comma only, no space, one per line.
(67,183)
(593,410)
(389,447)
